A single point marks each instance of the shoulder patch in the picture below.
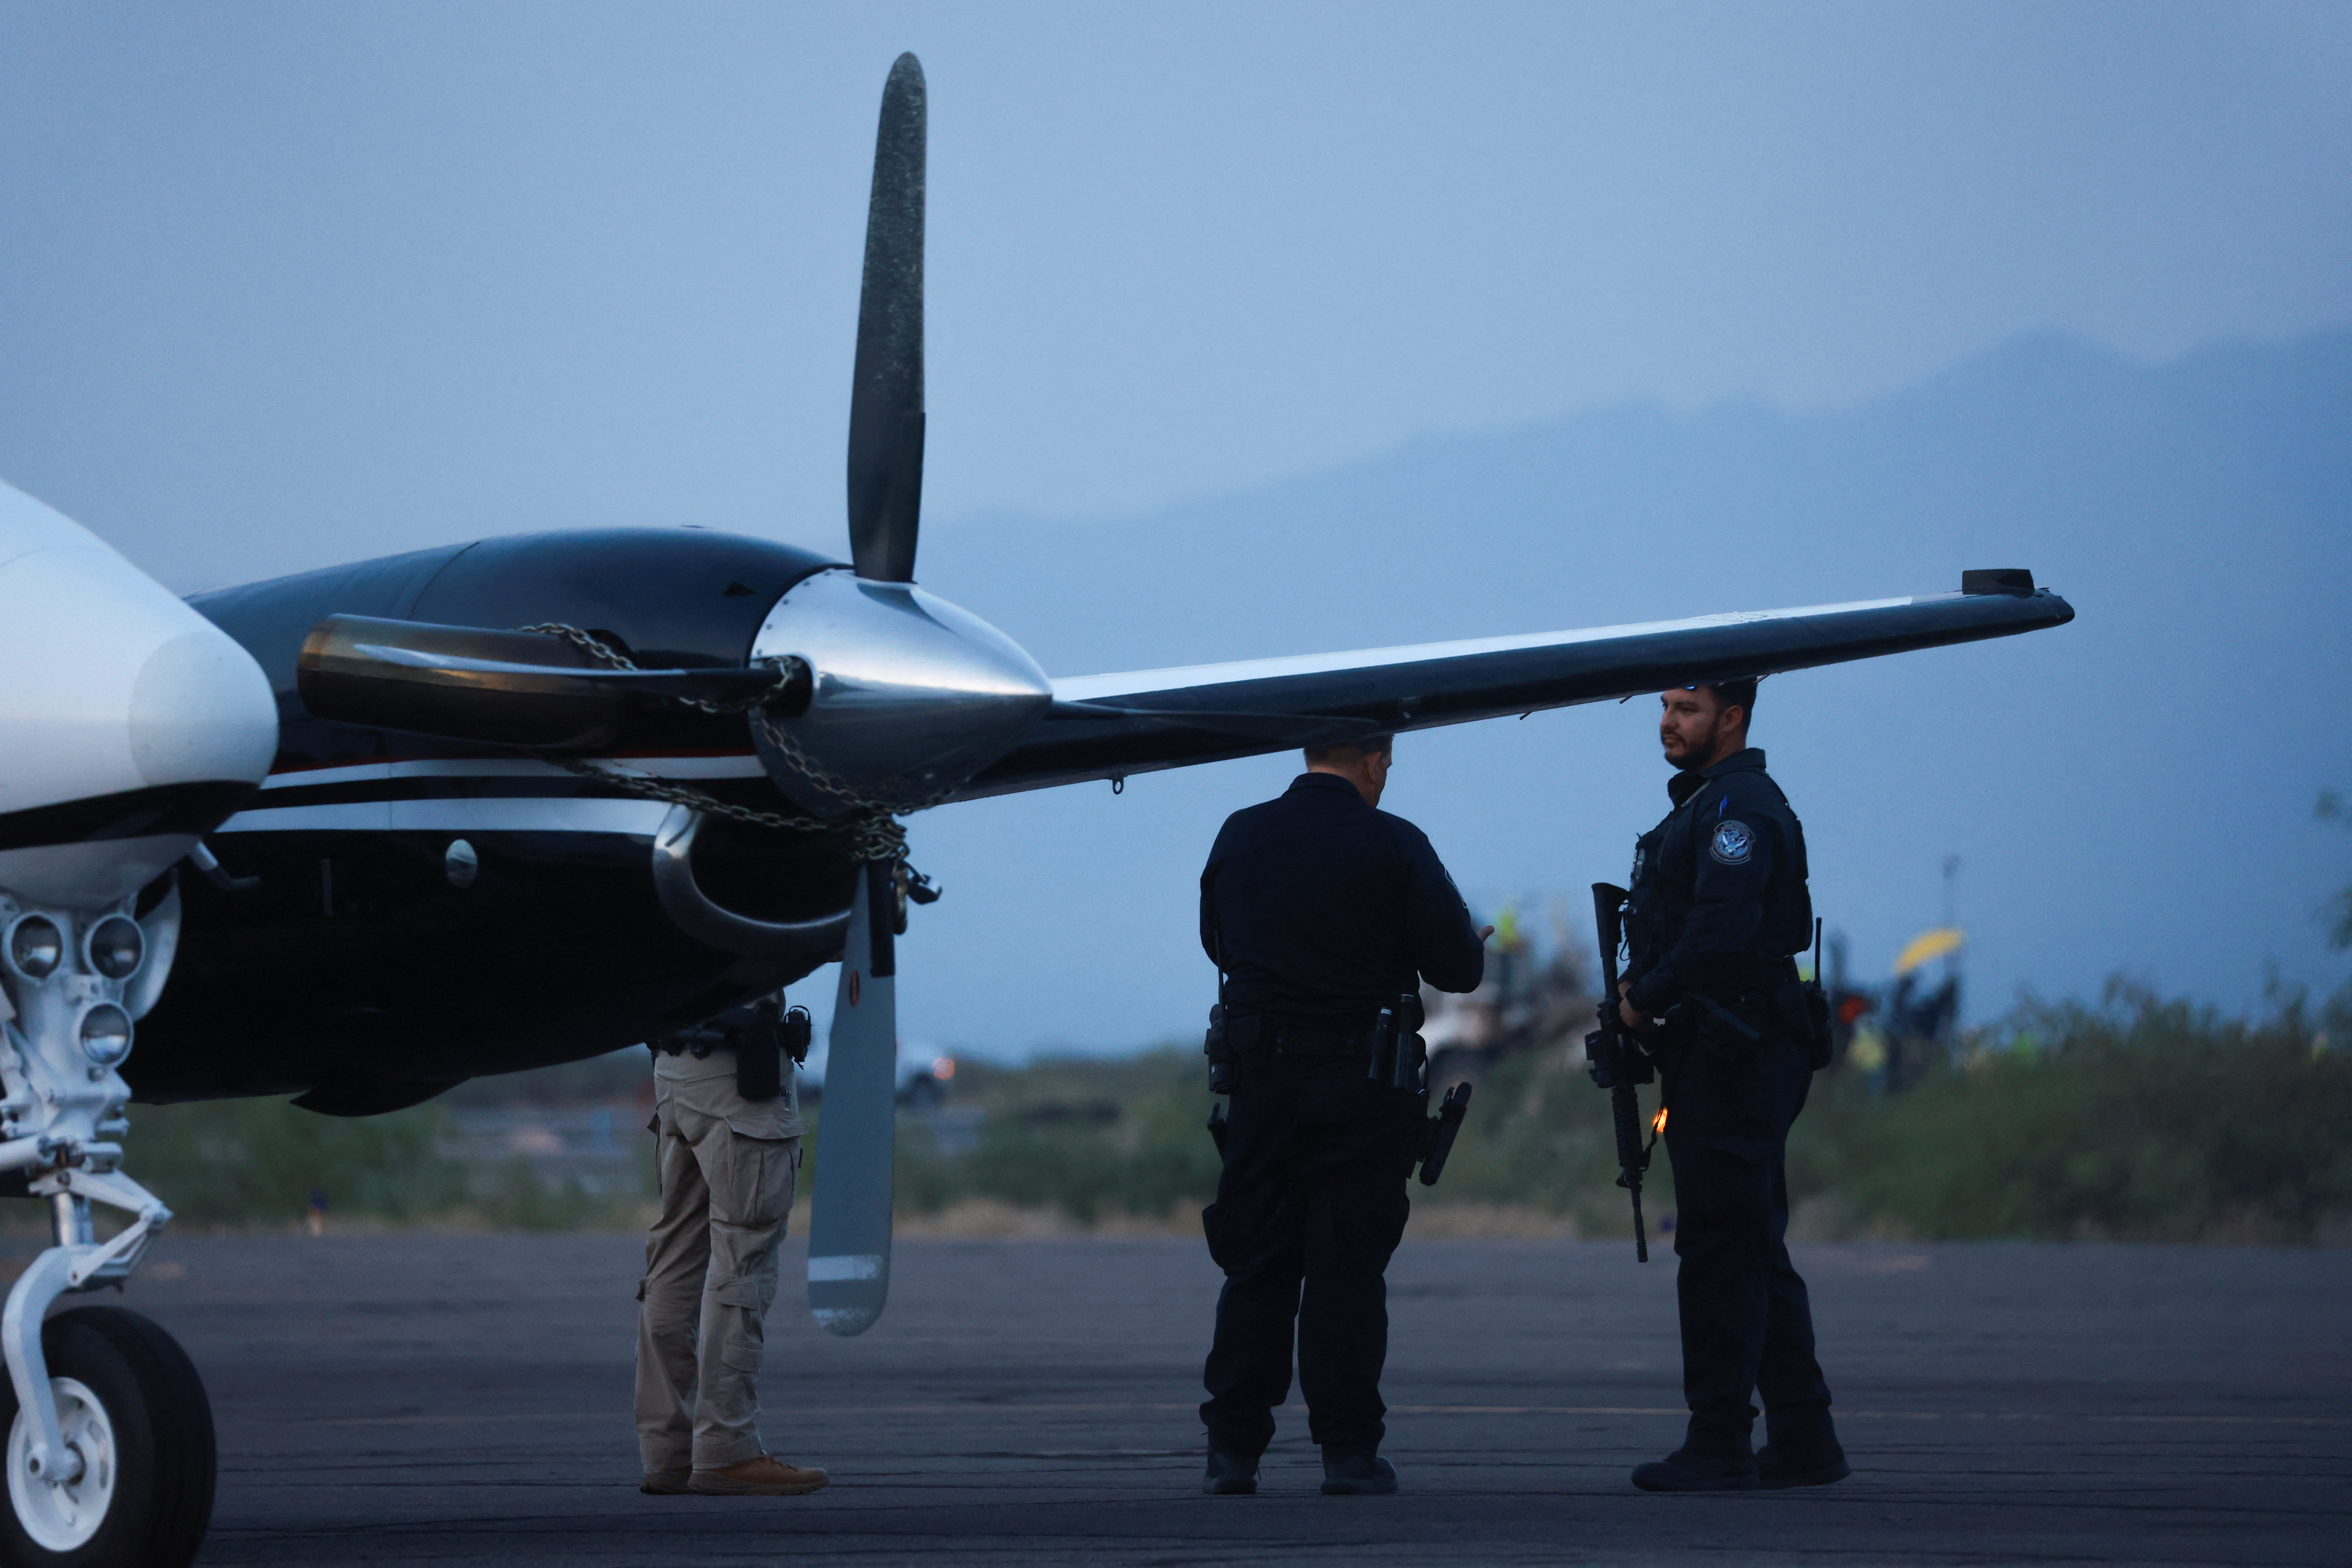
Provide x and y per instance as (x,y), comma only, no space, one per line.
(1732,843)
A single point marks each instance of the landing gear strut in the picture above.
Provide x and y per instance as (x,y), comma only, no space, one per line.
(110,1454)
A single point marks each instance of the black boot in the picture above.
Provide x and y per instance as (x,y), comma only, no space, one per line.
(1713,1457)
(1691,1470)
(1230,1475)
(1802,1450)
(1818,1468)
(1347,1474)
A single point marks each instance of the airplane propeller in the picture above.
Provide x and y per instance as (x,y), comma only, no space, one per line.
(849,1219)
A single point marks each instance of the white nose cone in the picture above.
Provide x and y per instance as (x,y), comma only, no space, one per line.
(130,725)
(201,710)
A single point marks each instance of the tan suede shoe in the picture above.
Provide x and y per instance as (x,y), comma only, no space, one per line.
(665,1483)
(766,1475)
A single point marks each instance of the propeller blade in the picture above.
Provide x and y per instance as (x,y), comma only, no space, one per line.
(849,1221)
(886,395)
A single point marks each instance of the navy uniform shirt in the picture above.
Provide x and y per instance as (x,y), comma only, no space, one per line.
(1719,887)
(1329,910)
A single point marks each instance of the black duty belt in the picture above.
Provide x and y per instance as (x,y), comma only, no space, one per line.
(687,1044)
(1295,1041)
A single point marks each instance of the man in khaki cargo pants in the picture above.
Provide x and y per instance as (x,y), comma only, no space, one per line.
(729,1167)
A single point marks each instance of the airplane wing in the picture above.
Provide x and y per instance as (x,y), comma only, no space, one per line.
(1108,726)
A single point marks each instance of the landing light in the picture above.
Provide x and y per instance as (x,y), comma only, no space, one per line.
(106,1034)
(35,946)
(117,947)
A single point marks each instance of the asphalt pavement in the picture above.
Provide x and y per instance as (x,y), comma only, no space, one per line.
(458,1400)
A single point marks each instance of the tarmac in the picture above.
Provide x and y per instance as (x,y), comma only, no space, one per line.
(459,1400)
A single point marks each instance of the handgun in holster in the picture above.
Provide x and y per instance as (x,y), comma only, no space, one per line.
(1441,1132)
(1399,1060)
(765,1034)
(1231,1038)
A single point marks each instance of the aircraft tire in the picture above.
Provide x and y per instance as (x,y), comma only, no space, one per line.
(130,1399)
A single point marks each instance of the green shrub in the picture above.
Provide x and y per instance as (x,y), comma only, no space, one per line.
(244,1161)
(1091,1137)
(259,1162)
(2135,1118)
(2139,1118)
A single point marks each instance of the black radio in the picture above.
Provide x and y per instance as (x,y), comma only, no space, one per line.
(1399,1055)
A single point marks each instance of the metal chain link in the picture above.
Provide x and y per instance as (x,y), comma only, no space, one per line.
(612,658)
(839,788)
(871,829)
(594,648)
(870,836)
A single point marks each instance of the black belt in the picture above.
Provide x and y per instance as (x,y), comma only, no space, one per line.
(686,1045)
(1290,1040)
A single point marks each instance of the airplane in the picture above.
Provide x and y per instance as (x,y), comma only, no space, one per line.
(538,797)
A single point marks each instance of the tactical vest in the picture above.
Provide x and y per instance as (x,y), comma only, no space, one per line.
(1665,883)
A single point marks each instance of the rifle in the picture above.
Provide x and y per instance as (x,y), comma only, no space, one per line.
(1616,1060)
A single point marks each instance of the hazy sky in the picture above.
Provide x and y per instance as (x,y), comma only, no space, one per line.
(313,276)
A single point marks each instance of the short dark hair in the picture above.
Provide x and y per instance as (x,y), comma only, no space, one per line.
(1354,750)
(1740,694)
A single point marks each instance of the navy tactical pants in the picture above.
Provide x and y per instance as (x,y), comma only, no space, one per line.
(1308,1210)
(1747,1322)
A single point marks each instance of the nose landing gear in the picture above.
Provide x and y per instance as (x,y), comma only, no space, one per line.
(110,1455)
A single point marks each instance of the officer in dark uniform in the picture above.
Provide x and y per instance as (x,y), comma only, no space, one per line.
(1319,911)
(1718,906)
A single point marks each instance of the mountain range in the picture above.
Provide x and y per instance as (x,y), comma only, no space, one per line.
(2132,793)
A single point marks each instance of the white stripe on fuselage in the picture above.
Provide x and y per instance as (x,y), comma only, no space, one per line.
(497,813)
(485,814)
(744,767)
(1139,682)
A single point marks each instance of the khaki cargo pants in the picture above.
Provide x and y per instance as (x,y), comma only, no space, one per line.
(729,1167)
